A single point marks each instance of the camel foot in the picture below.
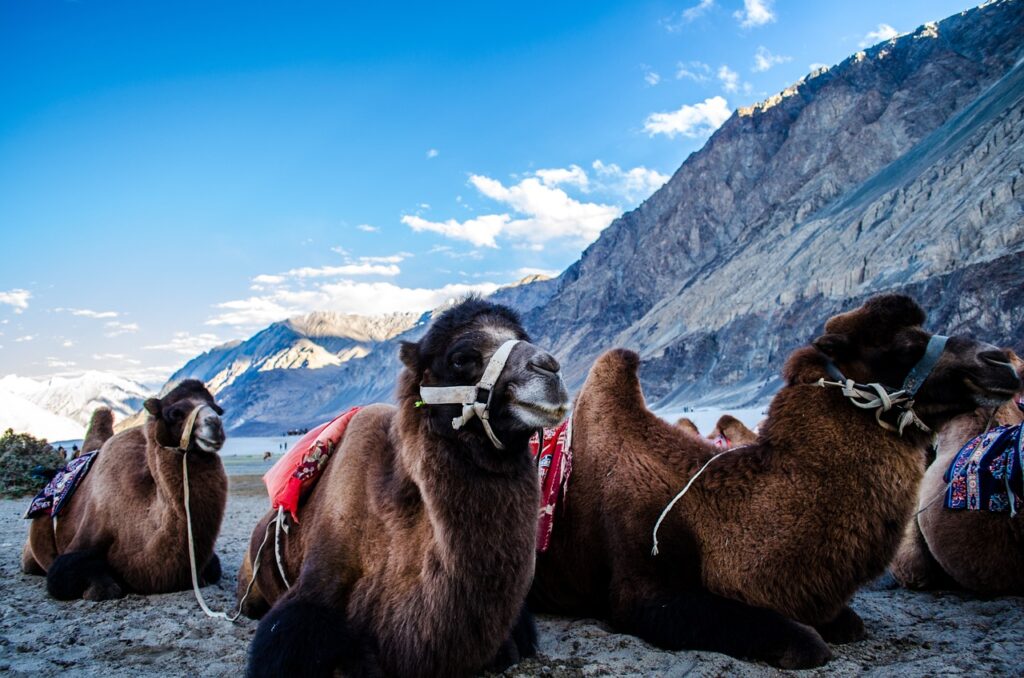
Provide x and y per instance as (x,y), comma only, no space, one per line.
(305,639)
(521,644)
(847,627)
(211,573)
(701,620)
(82,574)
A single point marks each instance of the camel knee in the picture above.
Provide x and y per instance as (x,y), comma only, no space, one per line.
(847,627)
(305,639)
(914,566)
(211,571)
(29,564)
(521,644)
(82,574)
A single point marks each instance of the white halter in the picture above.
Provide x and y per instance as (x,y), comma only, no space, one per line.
(475,400)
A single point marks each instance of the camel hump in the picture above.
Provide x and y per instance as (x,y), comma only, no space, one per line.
(618,360)
(101,429)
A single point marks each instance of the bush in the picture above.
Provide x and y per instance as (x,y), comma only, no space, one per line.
(21,457)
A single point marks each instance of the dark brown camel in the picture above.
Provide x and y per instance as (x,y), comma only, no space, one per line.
(686,424)
(761,557)
(124,528)
(731,432)
(975,550)
(415,549)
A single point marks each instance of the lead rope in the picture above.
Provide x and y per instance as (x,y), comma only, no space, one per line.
(279,525)
(654,550)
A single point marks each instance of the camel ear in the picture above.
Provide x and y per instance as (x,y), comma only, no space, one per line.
(410,355)
(835,346)
(152,406)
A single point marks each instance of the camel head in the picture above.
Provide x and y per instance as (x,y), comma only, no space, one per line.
(883,342)
(188,411)
(687,425)
(731,432)
(455,352)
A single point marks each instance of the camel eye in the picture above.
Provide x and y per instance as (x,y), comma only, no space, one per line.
(464,360)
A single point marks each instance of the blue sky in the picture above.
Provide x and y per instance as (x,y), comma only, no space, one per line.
(178,174)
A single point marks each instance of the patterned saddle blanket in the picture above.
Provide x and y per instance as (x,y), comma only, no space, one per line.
(554,465)
(52,499)
(986,474)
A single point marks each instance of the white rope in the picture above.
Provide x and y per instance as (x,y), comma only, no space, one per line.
(192,555)
(654,551)
(881,400)
(279,522)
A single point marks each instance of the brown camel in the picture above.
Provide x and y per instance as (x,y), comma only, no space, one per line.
(101,429)
(731,432)
(124,528)
(760,558)
(686,424)
(415,548)
(977,550)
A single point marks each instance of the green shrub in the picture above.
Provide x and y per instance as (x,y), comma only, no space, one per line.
(20,453)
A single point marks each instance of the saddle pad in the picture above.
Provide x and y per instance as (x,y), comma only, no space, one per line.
(554,465)
(297,471)
(986,473)
(52,499)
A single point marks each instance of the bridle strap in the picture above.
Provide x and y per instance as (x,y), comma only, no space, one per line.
(190,423)
(475,400)
(919,373)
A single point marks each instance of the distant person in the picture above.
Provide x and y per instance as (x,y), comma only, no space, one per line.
(62,452)
(267,455)
(74,452)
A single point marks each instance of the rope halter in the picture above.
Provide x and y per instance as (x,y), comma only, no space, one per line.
(881,398)
(475,400)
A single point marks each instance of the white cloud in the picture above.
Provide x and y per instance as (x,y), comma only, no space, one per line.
(17,298)
(25,338)
(120,357)
(883,32)
(185,343)
(688,15)
(347,296)
(481,231)
(730,78)
(633,185)
(57,362)
(764,60)
(573,175)
(432,153)
(117,328)
(368,228)
(89,313)
(396,258)
(652,78)
(698,71)
(755,13)
(697,120)
(67,343)
(336,271)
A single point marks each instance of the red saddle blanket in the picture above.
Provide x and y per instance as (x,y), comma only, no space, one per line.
(297,471)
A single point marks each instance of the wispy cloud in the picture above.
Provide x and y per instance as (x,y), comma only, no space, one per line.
(367,228)
(88,313)
(25,338)
(186,343)
(765,60)
(16,298)
(432,153)
(698,71)
(651,77)
(677,22)
(58,363)
(694,121)
(119,357)
(633,184)
(883,32)
(116,328)
(729,78)
(755,13)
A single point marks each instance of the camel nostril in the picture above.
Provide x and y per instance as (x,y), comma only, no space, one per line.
(997,358)
(545,362)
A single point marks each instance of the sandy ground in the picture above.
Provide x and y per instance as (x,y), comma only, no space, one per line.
(909,633)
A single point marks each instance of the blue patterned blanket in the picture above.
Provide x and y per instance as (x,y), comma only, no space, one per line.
(986,474)
(52,499)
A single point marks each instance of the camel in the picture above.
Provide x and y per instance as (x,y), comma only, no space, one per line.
(100,430)
(686,424)
(124,528)
(761,557)
(976,550)
(731,432)
(415,548)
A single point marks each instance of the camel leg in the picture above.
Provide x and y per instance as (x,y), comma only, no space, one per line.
(847,627)
(211,571)
(701,620)
(914,566)
(82,574)
(253,604)
(29,565)
(521,644)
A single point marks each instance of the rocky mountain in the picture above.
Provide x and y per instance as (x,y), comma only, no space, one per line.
(59,407)
(899,169)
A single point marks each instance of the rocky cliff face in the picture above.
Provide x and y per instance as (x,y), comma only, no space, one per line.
(899,169)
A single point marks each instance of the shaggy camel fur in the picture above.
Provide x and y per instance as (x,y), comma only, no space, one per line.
(124,528)
(732,432)
(760,558)
(686,424)
(415,548)
(976,550)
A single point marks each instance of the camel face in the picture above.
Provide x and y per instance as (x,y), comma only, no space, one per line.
(173,412)
(531,389)
(971,374)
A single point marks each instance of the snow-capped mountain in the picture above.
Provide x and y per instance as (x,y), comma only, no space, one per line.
(59,408)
